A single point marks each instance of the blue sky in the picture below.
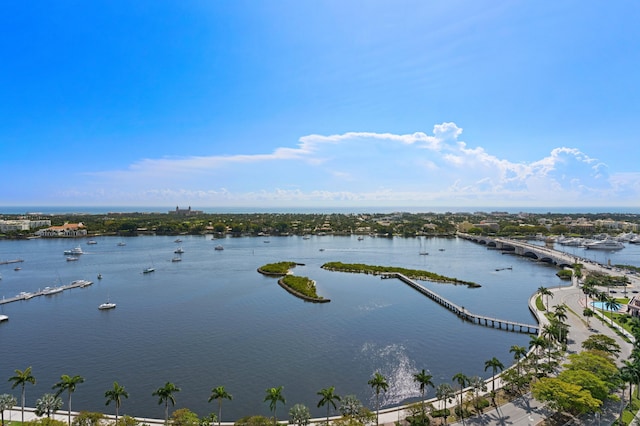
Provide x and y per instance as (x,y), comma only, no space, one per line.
(320,103)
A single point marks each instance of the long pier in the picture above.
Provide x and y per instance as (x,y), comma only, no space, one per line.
(46,292)
(7,262)
(466,314)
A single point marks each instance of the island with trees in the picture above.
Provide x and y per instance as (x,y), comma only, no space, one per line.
(302,287)
(384,270)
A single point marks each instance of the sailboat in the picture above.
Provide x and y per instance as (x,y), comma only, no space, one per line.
(422,251)
(149,269)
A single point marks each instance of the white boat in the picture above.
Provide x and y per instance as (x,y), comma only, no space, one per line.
(121,244)
(4,318)
(606,244)
(179,250)
(106,305)
(81,283)
(74,251)
(177,240)
(49,291)
(148,270)
(25,295)
(90,242)
(72,258)
(219,248)
(176,259)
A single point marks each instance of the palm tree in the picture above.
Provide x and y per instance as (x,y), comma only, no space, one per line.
(560,312)
(518,353)
(21,379)
(462,381)
(6,403)
(274,395)
(329,398)
(588,313)
(612,305)
(494,364)
(115,394)
(544,291)
(68,383)
(445,392)
(220,393)
(165,394)
(48,404)
(378,383)
(423,379)
(536,343)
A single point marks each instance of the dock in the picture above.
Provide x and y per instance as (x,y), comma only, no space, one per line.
(8,262)
(40,292)
(465,314)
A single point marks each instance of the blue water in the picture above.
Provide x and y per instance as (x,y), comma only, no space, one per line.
(601,305)
(212,320)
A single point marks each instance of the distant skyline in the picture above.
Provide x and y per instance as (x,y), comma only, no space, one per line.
(327,105)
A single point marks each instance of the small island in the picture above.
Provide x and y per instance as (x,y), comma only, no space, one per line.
(302,287)
(383,270)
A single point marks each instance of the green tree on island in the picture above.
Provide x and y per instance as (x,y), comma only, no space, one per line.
(219,393)
(165,395)
(115,394)
(274,395)
(378,383)
(21,378)
(329,398)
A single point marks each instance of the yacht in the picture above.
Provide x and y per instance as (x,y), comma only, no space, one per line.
(606,244)
(4,318)
(74,251)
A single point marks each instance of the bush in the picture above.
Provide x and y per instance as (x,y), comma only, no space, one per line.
(441,413)
(254,421)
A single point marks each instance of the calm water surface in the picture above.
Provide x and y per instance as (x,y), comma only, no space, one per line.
(212,320)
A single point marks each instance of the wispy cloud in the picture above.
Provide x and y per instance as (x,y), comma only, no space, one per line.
(369,168)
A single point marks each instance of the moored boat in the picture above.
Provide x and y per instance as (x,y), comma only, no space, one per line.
(106,305)
(74,251)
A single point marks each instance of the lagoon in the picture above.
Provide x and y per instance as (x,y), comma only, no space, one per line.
(213,320)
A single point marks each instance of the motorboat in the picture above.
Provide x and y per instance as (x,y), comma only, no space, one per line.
(606,244)
(50,291)
(81,283)
(177,240)
(106,305)
(148,270)
(25,295)
(177,259)
(4,318)
(74,251)
(90,242)
(179,250)
(99,276)
(219,248)
(121,244)
(72,258)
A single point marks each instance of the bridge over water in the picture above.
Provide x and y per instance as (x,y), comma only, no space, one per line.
(522,248)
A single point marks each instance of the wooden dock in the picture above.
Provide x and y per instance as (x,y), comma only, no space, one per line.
(464,313)
(41,292)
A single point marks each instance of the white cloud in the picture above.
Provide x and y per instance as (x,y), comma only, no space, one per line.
(369,168)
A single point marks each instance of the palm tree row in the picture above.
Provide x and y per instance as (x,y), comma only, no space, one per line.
(50,403)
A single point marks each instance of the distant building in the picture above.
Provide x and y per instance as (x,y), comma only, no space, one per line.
(22,224)
(185,212)
(69,230)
